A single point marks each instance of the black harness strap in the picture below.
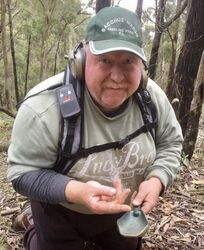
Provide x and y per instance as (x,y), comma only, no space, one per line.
(99,148)
(69,129)
(68,126)
(148,109)
(70,134)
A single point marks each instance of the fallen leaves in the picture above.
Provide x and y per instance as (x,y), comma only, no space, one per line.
(178,220)
(198,182)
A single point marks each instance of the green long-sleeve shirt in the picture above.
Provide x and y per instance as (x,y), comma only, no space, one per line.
(36,131)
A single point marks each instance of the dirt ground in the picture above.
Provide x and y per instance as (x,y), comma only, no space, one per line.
(176,223)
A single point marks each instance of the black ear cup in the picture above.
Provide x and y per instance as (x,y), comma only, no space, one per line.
(77,61)
(144,80)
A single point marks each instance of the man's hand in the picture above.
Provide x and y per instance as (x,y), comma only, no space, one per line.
(98,198)
(147,195)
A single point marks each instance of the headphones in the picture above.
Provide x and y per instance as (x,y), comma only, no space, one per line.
(76,60)
(77,65)
(144,79)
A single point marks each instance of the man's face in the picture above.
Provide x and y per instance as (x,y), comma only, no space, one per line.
(112,77)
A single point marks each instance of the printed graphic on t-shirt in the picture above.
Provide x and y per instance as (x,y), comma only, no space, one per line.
(128,164)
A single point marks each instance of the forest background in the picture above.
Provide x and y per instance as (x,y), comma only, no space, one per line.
(36,36)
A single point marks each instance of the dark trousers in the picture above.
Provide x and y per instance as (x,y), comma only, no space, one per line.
(58,228)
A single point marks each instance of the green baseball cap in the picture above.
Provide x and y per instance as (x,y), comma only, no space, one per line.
(113,29)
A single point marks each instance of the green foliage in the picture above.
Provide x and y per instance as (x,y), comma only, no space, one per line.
(6,124)
(148,33)
(54,27)
(2,243)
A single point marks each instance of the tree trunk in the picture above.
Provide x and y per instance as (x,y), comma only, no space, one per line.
(13,53)
(139,8)
(48,14)
(170,87)
(188,61)
(43,55)
(7,86)
(56,56)
(195,112)
(157,38)
(101,4)
(27,66)
(160,26)
(58,49)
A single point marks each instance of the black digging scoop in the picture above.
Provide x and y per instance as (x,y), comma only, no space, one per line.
(133,223)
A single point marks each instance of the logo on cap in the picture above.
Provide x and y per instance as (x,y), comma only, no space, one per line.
(127,29)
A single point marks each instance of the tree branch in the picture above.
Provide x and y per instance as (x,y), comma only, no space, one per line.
(177,15)
(8,112)
(78,24)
